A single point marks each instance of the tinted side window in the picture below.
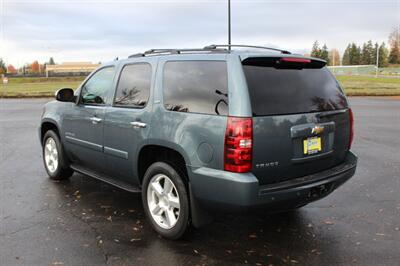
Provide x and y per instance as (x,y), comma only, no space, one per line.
(134,86)
(97,88)
(196,86)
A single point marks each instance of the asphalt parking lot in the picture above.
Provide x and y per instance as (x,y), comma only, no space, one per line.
(84,221)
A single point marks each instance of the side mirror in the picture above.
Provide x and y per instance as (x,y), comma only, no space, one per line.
(65,95)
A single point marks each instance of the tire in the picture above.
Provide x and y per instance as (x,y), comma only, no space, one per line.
(163,202)
(54,158)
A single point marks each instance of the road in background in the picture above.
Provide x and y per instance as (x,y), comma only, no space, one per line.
(84,221)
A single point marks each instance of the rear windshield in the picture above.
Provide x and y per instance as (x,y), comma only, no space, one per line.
(276,91)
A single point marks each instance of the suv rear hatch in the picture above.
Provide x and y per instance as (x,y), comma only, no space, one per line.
(301,120)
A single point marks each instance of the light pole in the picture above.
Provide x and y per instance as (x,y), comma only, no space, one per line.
(377,61)
(229,24)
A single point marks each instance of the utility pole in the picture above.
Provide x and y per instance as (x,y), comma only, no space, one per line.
(377,61)
(229,25)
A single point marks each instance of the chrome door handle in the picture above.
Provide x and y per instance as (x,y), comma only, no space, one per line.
(138,124)
(95,120)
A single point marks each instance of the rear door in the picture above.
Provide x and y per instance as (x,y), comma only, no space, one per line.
(127,121)
(300,116)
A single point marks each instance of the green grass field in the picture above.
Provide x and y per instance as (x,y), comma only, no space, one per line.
(37,87)
(45,87)
(370,86)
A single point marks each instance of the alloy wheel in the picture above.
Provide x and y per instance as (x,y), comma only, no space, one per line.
(51,155)
(163,201)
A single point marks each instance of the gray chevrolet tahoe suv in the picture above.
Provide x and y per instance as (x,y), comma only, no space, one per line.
(204,130)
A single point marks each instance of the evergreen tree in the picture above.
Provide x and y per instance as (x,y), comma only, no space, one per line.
(316,51)
(394,56)
(324,54)
(371,54)
(367,54)
(383,56)
(355,54)
(376,47)
(364,55)
(51,61)
(346,56)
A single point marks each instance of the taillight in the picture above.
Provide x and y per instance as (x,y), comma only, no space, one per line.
(295,60)
(351,116)
(238,144)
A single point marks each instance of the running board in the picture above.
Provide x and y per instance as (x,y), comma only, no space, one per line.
(116,183)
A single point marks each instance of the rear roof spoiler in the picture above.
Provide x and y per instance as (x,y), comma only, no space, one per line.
(284,62)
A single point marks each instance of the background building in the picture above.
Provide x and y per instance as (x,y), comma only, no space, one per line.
(70,69)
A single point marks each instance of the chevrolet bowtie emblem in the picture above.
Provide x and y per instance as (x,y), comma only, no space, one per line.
(317,130)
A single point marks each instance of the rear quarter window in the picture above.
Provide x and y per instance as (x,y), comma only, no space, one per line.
(276,91)
(196,87)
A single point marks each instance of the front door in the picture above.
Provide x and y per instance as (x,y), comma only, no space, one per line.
(127,121)
(83,123)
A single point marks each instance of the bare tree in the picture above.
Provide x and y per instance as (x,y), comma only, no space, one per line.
(394,38)
(334,57)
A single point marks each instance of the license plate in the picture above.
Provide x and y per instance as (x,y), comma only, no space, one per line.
(312,145)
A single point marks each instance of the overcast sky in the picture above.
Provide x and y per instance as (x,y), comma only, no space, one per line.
(100,30)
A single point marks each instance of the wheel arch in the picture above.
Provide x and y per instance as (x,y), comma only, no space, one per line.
(166,152)
(199,216)
(46,125)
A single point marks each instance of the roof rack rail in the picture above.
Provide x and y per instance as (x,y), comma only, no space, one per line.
(215,46)
(210,48)
(161,51)
(136,55)
(153,52)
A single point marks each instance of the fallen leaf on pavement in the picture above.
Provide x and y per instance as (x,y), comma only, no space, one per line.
(253,236)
